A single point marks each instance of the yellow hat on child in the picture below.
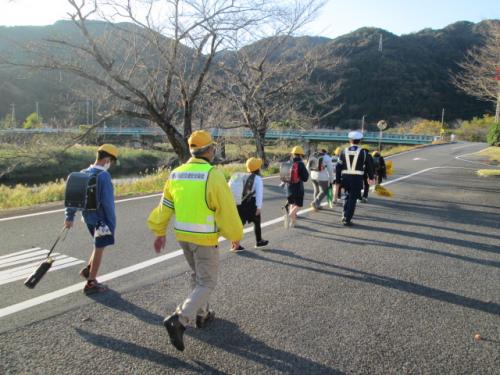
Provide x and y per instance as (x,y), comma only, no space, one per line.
(253,164)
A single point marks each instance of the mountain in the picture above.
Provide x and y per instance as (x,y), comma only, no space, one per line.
(409,77)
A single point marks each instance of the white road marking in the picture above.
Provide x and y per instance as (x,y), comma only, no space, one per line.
(460,157)
(24,256)
(9,310)
(19,265)
(20,261)
(65,264)
(19,252)
(419,159)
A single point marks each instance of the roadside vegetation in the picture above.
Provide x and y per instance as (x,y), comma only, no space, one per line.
(23,195)
(493,155)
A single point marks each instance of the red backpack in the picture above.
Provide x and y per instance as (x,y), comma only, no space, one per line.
(294,173)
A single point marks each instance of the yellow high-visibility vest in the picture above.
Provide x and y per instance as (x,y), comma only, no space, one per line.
(188,184)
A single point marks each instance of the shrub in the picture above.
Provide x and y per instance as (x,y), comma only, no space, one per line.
(475,130)
(494,135)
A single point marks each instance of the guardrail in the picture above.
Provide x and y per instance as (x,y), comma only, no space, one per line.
(309,135)
(328,135)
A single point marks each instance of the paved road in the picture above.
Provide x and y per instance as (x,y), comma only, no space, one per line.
(402,292)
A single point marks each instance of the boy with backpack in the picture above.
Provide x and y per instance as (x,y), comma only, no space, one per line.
(320,168)
(295,189)
(100,219)
(249,200)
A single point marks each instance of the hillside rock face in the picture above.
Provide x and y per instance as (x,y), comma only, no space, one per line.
(410,77)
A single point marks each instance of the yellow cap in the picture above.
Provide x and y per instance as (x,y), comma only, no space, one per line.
(254,164)
(375,153)
(109,149)
(297,150)
(200,139)
(338,150)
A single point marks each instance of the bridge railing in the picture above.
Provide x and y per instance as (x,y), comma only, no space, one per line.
(310,135)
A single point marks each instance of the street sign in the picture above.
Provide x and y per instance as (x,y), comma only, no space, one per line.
(382,125)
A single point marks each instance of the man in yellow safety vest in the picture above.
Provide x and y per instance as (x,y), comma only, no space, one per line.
(204,209)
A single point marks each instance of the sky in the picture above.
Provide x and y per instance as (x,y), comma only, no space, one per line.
(336,18)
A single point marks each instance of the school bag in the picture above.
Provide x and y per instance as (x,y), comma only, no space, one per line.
(315,162)
(289,172)
(81,191)
(241,186)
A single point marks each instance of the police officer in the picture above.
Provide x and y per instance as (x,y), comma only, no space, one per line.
(352,165)
(204,209)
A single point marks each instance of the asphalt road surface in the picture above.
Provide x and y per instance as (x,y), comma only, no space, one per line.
(404,291)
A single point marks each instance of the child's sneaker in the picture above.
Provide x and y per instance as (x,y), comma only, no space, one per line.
(237,249)
(93,286)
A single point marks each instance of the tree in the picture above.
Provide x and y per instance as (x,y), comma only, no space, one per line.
(153,66)
(33,121)
(7,122)
(256,83)
(427,127)
(477,76)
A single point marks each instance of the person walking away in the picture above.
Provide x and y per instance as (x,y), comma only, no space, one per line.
(320,169)
(203,205)
(379,167)
(337,190)
(350,169)
(295,189)
(366,185)
(100,222)
(251,205)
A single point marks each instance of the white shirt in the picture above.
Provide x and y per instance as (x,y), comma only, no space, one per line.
(258,190)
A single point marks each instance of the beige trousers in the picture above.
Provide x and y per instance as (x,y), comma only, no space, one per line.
(204,263)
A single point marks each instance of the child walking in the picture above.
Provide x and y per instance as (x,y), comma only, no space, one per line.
(251,204)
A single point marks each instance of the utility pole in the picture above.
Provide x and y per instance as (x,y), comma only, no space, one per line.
(442,119)
(13,114)
(380,44)
(363,124)
(87,107)
(37,111)
(497,112)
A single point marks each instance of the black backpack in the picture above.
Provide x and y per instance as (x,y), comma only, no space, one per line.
(81,191)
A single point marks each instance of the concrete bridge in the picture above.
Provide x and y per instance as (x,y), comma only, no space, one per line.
(143,135)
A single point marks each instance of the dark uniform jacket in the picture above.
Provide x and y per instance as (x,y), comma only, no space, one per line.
(364,164)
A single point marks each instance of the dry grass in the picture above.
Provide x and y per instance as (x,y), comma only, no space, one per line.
(492,153)
(488,172)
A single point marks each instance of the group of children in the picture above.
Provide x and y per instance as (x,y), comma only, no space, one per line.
(320,168)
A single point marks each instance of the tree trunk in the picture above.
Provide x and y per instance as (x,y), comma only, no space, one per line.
(178,142)
(260,137)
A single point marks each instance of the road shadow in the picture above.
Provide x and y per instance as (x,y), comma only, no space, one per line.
(144,354)
(114,300)
(383,281)
(227,336)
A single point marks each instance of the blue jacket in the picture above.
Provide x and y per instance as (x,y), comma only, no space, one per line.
(105,201)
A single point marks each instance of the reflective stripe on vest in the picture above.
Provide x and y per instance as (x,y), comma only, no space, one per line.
(188,188)
(351,168)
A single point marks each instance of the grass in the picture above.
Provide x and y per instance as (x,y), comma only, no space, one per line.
(492,153)
(488,172)
(20,195)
